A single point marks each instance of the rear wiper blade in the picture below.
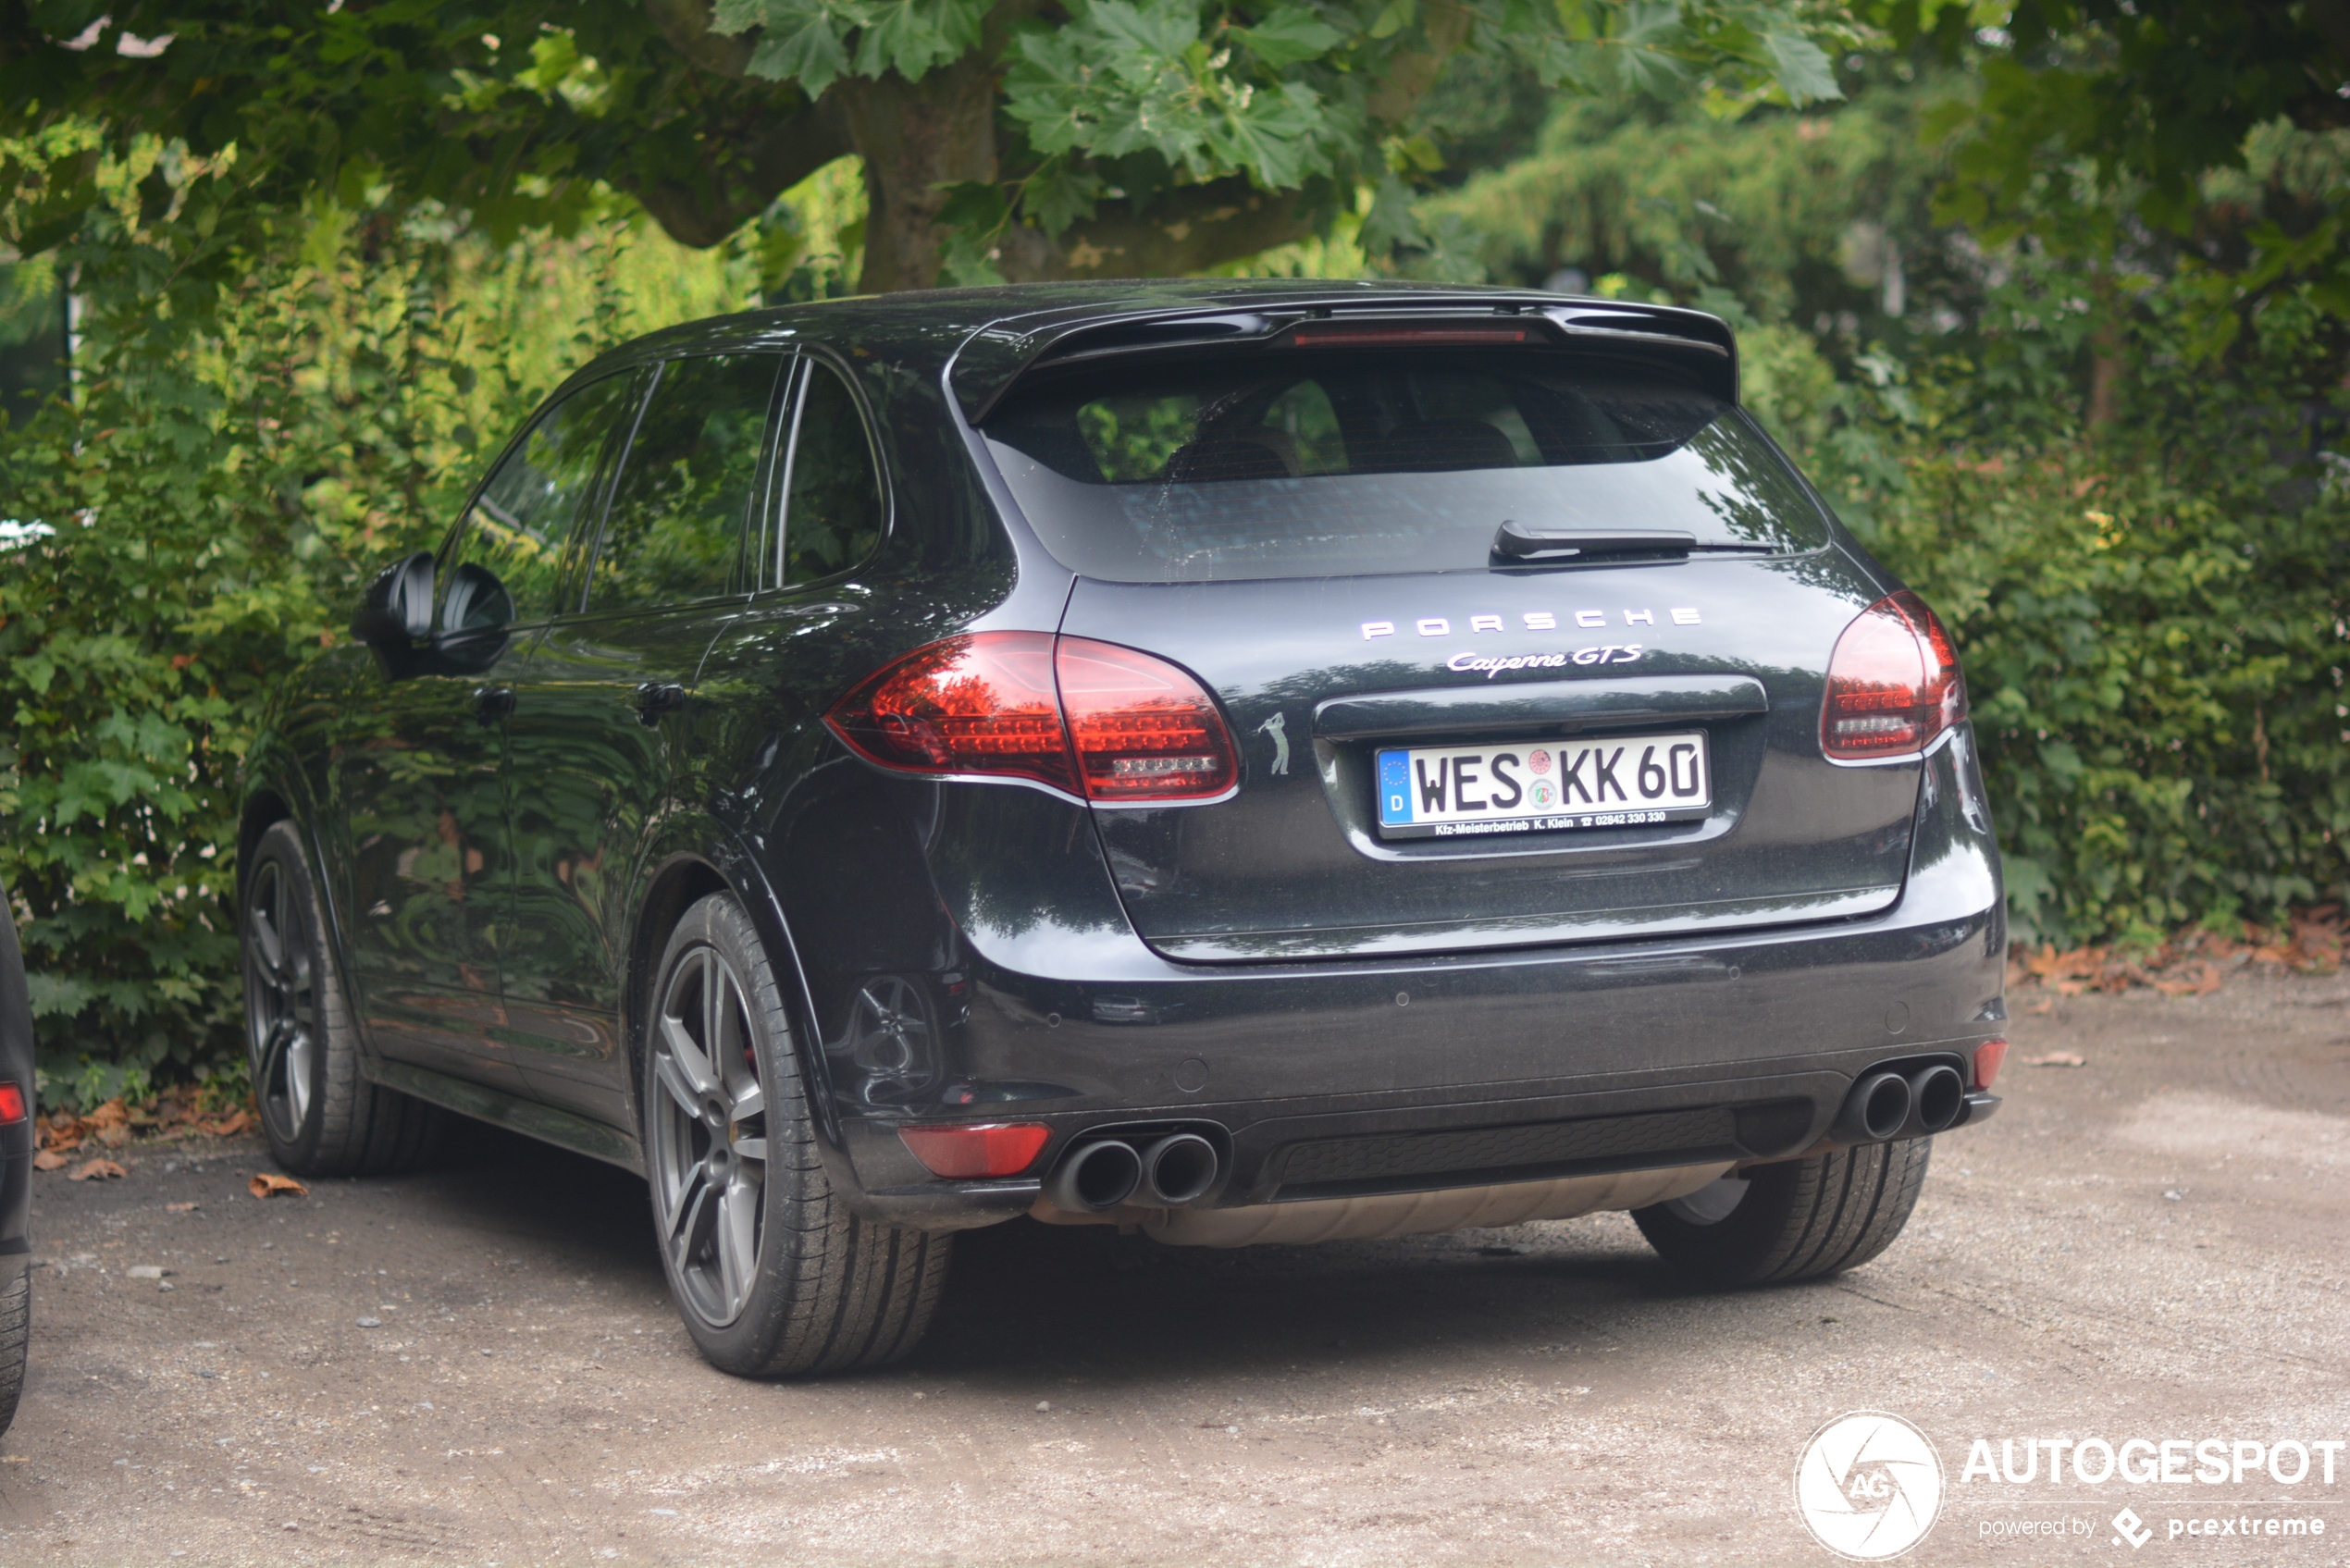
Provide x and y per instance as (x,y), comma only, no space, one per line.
(1516,541)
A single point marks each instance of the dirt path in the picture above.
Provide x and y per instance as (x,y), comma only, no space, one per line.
(478,1364)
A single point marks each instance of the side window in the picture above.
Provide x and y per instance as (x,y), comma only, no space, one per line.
(833,514)
(674,528)
(520,523)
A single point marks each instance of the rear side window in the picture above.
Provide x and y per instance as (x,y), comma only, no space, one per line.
(544,487)
(1297,464)
(833,513)
(673,531)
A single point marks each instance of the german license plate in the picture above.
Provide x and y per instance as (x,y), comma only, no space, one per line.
(1620,782)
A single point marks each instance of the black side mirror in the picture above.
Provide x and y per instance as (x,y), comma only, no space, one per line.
(474,618)
(395,613)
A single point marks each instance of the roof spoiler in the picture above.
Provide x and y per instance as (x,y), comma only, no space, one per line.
(999,357)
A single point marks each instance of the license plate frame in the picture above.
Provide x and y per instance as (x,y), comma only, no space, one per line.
(1600,782)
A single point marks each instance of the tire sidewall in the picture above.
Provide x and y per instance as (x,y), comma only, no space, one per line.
(1733,1249)
(282,844)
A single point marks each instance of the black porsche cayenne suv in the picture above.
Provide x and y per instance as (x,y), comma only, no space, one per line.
(1254,762)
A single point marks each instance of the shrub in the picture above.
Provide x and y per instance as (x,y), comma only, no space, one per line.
(197,520)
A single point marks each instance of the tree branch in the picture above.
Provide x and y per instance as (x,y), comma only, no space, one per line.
(1186,231)
(686,24)
(701,212)
(1203,226)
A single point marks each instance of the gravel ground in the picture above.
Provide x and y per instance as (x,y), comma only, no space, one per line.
(478,1364)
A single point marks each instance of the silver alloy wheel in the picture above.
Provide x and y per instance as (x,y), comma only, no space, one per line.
(282,999)
(705,1136)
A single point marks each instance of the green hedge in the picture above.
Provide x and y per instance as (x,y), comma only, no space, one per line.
(198,521)
(2152,617)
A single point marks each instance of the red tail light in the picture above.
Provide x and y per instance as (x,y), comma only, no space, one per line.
(961,1153)
(1989,1056)
(11,1103)
(1893,684)
(1088,718)
(981,704)
(1144,729)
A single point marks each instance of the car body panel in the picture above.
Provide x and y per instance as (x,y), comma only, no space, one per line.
(1295,865)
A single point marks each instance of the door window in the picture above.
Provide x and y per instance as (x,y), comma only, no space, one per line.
(833,514)
(515,536)
(673,531)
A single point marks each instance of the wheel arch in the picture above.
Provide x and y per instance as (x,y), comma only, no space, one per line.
(675,886)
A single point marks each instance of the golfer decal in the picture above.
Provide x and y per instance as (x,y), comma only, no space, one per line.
(1278,727)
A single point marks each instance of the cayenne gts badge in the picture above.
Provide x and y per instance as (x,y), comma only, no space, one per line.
(1612,653)
(1278,727)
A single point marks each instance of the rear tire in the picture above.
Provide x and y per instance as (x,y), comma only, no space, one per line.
(770,1272)
(15,1341)
(1796,1219)
(322,1118)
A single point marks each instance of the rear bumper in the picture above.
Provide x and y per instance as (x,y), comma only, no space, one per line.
(1346,1078)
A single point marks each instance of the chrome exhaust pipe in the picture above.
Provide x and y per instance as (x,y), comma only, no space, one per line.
(1937,1094)
(1096,1177)
(1874,1111)
(1178,1168)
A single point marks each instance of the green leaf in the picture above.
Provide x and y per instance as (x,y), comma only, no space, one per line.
(1289,36)
(913,37)
(1804,72)
(1060,194)
(800,41)
(1393,18)
(976,204)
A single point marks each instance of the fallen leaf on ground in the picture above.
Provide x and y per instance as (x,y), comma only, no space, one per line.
(269,1184)
(181,1208)
(2057,1059)
(228,1126)
(48,1159)
(105,1169)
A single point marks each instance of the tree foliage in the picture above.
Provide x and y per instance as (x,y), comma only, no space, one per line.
(1017,139)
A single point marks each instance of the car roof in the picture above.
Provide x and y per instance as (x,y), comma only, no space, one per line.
(985,338)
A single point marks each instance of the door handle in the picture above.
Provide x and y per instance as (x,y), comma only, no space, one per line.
(657,698)
(493,703)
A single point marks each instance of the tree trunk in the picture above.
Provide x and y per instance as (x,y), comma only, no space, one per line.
(917,138)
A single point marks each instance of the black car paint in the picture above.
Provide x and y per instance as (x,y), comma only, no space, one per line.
(1046,943)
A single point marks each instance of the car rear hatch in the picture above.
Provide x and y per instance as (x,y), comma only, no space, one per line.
(1521,633)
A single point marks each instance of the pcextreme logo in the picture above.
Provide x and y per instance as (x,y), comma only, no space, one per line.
(1869,1486)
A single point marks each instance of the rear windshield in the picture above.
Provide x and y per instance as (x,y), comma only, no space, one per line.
(1341,464)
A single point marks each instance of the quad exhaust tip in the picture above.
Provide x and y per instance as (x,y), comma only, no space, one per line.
(1886,1105)
(1107,1172)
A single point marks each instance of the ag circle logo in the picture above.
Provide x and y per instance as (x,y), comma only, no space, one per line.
(1869,1486)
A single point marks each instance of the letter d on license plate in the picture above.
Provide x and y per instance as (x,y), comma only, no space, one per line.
(1543,786)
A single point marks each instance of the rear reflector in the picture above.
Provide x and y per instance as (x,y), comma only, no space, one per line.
(1894,684)
(961,1153)
(1463,336)
(1989,1056)
(11,1103)
(1088,718)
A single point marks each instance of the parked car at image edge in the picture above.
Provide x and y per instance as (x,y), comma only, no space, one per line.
(16,1165)
(1257,762)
